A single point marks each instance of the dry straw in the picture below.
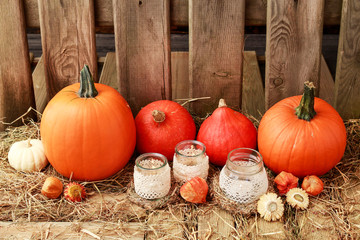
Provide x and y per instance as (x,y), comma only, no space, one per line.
(21,200)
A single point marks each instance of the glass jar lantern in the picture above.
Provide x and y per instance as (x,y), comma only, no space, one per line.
(152,176)
(190,160)
(243,178)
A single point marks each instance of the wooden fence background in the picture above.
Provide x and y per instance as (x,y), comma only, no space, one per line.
(144,69)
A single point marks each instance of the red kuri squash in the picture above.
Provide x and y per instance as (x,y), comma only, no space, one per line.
(303,135)
(225,130)
(88,130)
(161,125)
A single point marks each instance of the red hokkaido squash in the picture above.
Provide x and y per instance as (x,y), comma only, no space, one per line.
(225,130)
(161,125)
(88,130)
(302,135)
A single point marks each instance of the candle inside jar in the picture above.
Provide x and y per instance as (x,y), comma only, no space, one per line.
(151,163)
(191,152)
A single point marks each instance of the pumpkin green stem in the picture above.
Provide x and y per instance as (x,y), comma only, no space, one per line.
(306,109)
(87,86)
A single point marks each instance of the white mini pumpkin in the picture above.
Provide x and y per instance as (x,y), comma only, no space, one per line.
(27,155)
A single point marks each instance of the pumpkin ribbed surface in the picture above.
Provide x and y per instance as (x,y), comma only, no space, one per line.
(298,146)
(88,138)
(225,130)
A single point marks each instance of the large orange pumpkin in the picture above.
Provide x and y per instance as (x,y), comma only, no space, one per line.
(303,135)
(88,130)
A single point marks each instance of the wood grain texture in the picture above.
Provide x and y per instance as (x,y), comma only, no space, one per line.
(253,95)
(180,75)
(216,224)
(262,229)
(108,74)
(16,93)
(142,41)
(68,41)
(255,13)
(327,85)
(165,224)
(293,47)
(347,79)
(71,230)
(39,83)
(317,223)
(216,42)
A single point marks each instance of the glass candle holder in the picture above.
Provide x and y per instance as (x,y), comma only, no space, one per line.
(243,178)
(190,161)
(152,176)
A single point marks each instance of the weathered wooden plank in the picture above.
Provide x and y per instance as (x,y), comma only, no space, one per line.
(39,83)
(216,224)
(165,224)
(253,98)
(316,223)
(71,230)
(351,196)
(293,47)
(216,43)
(142,41)
(68,41)
(180,75)
(255,13)
(261,229)
(16,94)
(327,85)
(108,73)
(347,79)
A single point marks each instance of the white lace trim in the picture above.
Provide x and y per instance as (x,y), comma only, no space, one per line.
(152,186)
(185,169)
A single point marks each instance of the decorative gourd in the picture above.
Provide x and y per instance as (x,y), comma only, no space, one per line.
(161,125)
(285,181)
(312,185)
(303,135)
(88,130)
(74,192)
(27,155)
(195,190)
(52,188)
(224,131)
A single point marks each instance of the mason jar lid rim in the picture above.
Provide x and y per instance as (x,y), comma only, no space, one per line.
(146,155)
(190,141)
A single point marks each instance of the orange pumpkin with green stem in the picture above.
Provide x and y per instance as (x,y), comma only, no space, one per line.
(88,130)
(302,135)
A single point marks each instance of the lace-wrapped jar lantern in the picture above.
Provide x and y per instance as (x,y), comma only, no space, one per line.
(243,178)
(152,176)
(190,161)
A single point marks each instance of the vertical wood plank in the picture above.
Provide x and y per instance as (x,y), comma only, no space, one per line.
(142,42)
(180,75)
(216,42)
(16,92)
(327,84)
(108,73)
(253,96)
(293,47)
(68,41)
(347,79)
(39,83)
